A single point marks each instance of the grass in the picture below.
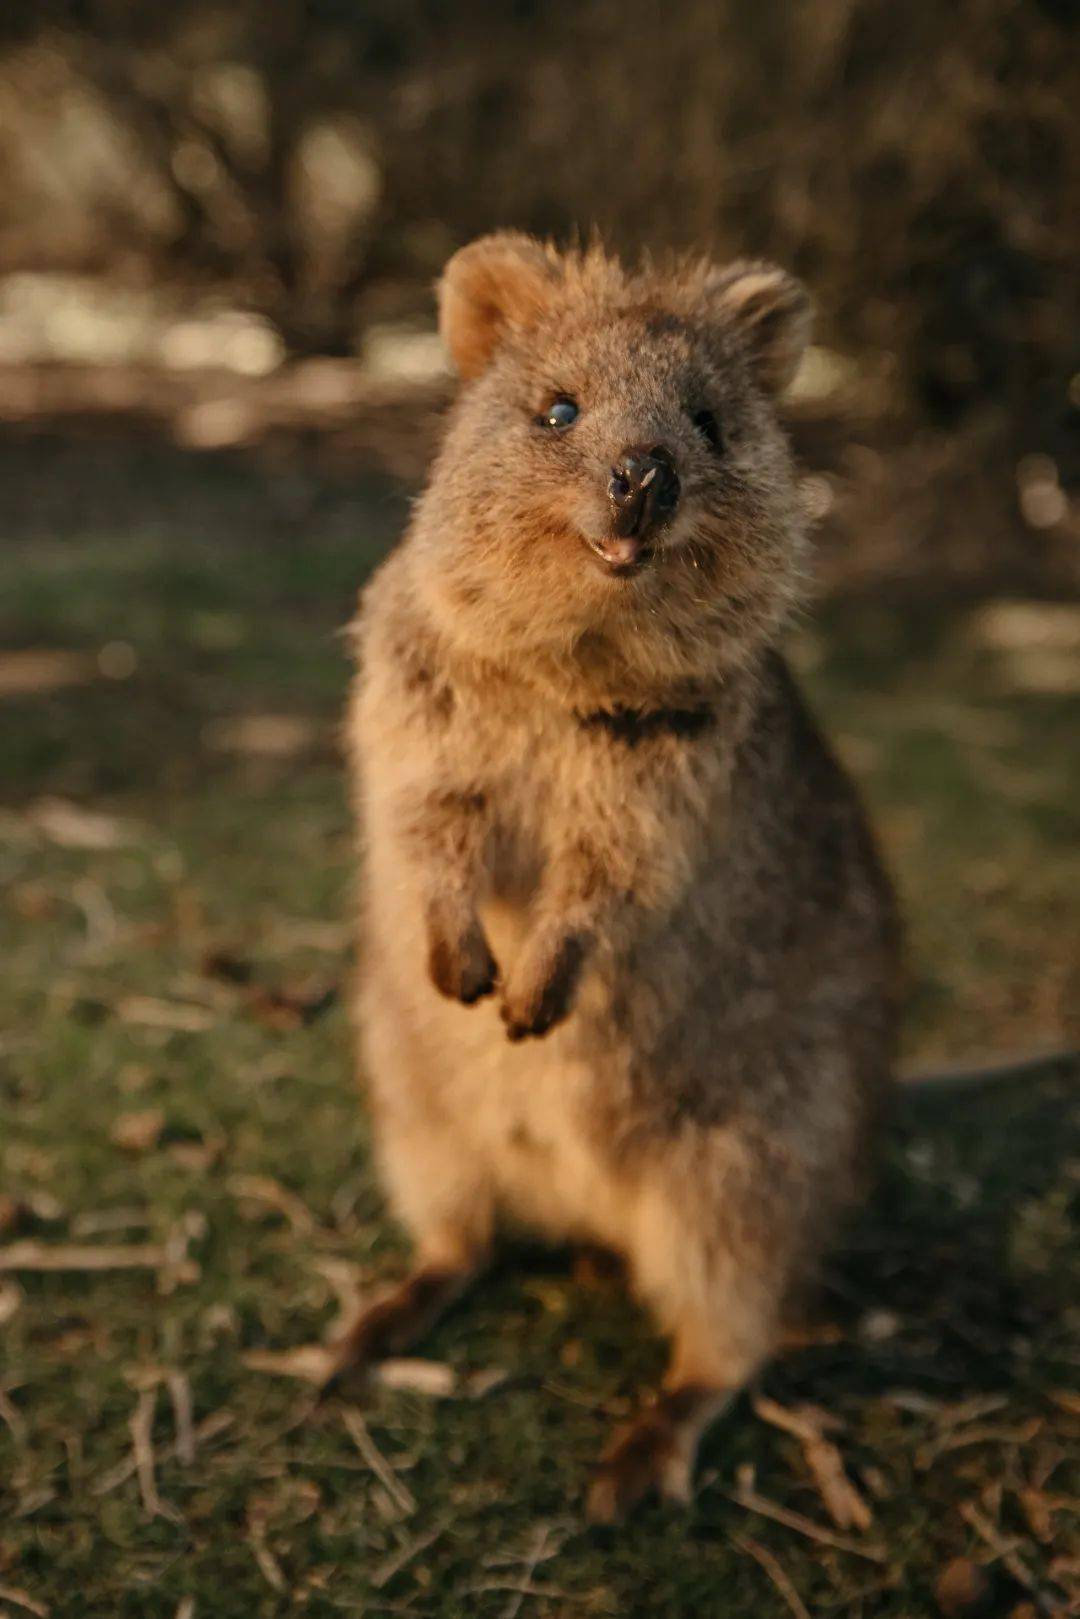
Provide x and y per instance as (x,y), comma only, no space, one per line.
(181,824)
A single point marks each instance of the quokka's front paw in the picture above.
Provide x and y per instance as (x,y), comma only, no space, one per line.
(463,970)
(542,987)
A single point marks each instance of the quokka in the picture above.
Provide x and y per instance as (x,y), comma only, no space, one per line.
(628,959)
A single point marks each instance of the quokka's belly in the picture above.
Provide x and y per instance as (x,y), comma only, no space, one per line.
(537,1132)
(528,1113)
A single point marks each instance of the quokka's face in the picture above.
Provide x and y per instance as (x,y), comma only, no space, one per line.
(615,444)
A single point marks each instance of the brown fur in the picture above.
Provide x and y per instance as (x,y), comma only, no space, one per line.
(602,798)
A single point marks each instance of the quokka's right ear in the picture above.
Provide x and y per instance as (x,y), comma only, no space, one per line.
(769,310)
(496,283)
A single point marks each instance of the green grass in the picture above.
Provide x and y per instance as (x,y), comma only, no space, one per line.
(229,581)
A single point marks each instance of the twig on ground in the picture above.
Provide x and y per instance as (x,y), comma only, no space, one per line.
(956,1439)
(207,1429)
(264,1189)
(539,1551)
(845,1505)
(14,1418)
(8,1593)
(437,1379)
(360,1435)
(93,1222)
(268,1565)
(404,1555)
(47,1256)
(311,1363)
(775,1570)
(180,1394)
(843,1502)
(1004,1550)
(142,1424)
(526,1588)
(747,1497)
(806,1422)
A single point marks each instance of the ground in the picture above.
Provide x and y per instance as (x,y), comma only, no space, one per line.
(176,1090)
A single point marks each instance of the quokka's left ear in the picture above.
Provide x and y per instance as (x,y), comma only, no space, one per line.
(770,312)
(496,284)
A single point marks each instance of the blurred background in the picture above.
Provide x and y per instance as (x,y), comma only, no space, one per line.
(200,201)
(220,383)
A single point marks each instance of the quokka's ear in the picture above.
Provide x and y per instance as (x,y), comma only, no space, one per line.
(771,313)
(495,283)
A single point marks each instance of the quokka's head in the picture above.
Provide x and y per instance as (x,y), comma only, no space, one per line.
(613,464)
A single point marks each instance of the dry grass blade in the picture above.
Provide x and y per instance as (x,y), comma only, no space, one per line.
(753,1502)
(437,1379)
(9,1593)
(180,1394)
(40,669)
(142,1424)
(1038,1510)
(1003,1549)
(844,1503)
(11,1298)
(400,1559)
(154,1013)
(360,1435)
(268,1565)
(806,1422)
(311,1363)
(14,1418)
(264,1189)
(544,1545)
(44,1256)
(207,1429)
(775,1570)
(978,1434)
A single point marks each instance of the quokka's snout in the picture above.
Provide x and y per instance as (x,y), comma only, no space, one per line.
(643,492)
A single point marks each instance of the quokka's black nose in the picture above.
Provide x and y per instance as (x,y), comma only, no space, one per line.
(644,490)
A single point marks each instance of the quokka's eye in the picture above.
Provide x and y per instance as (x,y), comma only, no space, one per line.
(560,414)
(707,425)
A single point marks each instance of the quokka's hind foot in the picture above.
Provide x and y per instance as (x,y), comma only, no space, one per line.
(654,1455)
(395,1322)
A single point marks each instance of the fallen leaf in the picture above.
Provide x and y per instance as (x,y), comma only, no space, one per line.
(24,674)
(437,1379)
(290,1008)
(22,1599)
(1038,1510)
(157,1014)
(311,1363)
(138,1132)
(196,1156)
(845,1506)
(267,736)
(74,827)
(43,1256)
(843,1501)
(11,1297)
(960,1587)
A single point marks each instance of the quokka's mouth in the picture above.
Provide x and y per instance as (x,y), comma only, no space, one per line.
(622,556)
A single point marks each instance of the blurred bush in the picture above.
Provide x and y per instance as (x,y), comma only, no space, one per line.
(316,160)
